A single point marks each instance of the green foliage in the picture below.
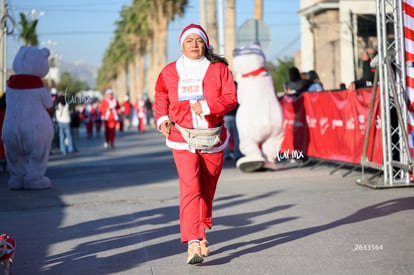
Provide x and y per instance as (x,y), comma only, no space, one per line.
(28,33)
(279,72)
(70,85)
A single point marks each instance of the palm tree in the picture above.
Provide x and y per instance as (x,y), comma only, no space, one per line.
(28,33)
(212,22)
(142,32)
(230,30)
(134,26)
(162,12)
(203,19)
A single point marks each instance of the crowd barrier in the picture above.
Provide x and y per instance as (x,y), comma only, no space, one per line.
(331,125)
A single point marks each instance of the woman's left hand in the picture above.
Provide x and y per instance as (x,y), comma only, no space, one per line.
(196,107)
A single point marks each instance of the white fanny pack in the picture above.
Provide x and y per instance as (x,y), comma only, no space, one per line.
(200,139)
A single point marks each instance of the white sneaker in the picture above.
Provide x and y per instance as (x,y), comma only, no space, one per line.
(106,145)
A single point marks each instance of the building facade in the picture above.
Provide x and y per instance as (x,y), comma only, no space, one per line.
(334,33)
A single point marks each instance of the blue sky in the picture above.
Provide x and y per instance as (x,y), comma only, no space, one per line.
(81,30)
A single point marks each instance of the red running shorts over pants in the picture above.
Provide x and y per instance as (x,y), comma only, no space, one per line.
(198,174)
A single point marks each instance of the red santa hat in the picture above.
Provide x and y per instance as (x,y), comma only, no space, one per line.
(195,29)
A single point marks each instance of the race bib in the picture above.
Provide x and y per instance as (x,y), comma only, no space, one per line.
(190,89)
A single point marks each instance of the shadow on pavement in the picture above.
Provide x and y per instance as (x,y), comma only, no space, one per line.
(257,245)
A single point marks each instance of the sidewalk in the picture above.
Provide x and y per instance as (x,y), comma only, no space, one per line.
(116,212)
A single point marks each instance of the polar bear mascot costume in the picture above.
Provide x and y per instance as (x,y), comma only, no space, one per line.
(27,129)
(259,118)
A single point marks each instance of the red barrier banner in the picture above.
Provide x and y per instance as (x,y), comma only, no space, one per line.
(331,125)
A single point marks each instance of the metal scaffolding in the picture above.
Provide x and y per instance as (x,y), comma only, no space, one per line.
(397,163)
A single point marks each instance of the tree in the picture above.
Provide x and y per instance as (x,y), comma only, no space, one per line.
(212,22)
(28,33)
(230,31)
(70,86)
(142,31)
(280,72)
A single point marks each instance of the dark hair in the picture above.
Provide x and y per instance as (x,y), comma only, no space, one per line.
(313,76)
(294,74)
(61,100)
(214,58)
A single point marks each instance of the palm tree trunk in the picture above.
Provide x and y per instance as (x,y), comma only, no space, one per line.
(132,78)
(140,76)
(212,22)
(120,91)
(230,31)
(203,20)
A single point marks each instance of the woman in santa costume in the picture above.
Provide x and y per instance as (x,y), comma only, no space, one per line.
(194,92)
(109,108)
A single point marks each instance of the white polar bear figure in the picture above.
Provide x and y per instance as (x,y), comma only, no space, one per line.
(28,129)
(259,118)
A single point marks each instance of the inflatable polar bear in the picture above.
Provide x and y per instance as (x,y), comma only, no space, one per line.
(27,129)
(259,117)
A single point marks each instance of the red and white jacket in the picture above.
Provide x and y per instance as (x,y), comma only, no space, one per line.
(11,247)
(109,108)
(219,97)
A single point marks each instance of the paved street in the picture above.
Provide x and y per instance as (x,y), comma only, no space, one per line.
(116,212)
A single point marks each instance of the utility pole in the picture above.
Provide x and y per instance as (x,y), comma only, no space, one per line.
(258,16)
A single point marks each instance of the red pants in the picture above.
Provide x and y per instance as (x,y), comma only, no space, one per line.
(109,133)
(141,126)
(89,129)
(199,174)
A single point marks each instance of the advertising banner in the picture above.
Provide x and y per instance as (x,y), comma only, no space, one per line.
(332,125)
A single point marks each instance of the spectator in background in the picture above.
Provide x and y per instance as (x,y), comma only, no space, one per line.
(150,113)
(55,142)
(367,71)
(316,84)
(74,125)
(98,120)
(303,75)
(63,119)
(126,108)
(296,85)
(140,110)
(230,124)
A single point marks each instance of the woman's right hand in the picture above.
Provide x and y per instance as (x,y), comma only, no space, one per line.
(165,128)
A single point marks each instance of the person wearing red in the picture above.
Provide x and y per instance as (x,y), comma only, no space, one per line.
(109,108)
(126,109)
(195,92)
(88,117)
(140,110)
(7,251)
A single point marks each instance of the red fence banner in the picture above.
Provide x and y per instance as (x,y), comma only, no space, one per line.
(331,125)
